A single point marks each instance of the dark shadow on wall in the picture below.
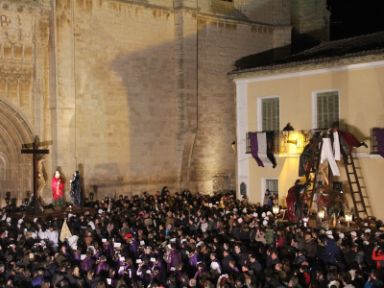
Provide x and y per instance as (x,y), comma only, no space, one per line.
(159,94)
(151,130)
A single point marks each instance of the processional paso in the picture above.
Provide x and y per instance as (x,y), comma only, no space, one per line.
(34,149)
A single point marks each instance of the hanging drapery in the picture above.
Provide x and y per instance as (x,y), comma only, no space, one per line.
(378,133)
(262,147)
(262,143)
(271,147)
(336,146)
(327,154)
(255,148)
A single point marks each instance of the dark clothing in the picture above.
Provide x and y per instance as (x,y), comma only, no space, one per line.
(76,190)
(305,159)
(330,252)
(348,141)
(271,147)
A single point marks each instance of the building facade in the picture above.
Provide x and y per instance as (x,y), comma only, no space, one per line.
(132,93)
(310,91)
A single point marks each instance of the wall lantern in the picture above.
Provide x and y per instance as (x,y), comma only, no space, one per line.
(298,139)
(287,132)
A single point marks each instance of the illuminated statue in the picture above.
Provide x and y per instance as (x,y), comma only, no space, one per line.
(57,186)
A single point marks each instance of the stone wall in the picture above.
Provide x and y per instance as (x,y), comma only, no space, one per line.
(135,93)
(156,107)
(24,90)
(220,44)
(311,17)
(123,118)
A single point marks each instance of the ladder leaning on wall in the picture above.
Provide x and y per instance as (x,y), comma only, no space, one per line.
(356,188)
(353,172)
(311,175)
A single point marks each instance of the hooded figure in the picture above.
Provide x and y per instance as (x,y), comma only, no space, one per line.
(76,190)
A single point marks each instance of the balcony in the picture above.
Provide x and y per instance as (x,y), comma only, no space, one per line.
(283,143)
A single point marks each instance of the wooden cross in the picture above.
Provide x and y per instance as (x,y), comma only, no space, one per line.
(33,148)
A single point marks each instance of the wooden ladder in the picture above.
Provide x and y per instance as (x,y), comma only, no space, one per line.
(311,175)
(355,186)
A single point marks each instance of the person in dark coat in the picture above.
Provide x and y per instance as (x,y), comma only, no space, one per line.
(330,251)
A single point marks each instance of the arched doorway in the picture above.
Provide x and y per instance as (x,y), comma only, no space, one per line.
(15,168)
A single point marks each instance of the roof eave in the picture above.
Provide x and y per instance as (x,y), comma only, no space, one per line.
(310,64)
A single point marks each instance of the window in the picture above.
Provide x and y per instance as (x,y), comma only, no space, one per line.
(271,192)
(270,114)
(327,109)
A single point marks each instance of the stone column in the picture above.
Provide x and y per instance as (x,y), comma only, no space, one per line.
(63,86)
(187,87)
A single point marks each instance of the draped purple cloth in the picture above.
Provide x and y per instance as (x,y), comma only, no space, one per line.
(378,133)
(255,148)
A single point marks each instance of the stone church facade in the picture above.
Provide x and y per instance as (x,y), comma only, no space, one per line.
(133,93)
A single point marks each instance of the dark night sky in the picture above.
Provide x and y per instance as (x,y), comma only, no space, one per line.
(348,18)
(355,17)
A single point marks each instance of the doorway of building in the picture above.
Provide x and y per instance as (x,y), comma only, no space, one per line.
(15,168)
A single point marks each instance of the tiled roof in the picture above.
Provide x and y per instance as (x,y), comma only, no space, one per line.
(326,51)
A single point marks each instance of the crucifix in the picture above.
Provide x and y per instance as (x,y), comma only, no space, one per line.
(34,149)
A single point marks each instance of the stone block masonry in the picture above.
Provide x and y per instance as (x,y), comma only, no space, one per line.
(136,93)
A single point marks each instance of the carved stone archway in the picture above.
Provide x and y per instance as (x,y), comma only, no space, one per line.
(15,168)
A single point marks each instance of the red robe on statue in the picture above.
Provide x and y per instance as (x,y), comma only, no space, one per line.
(350,140)
(57,186)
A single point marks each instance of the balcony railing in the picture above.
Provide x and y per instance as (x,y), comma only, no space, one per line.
(293,143)
(276,142)
(296,141)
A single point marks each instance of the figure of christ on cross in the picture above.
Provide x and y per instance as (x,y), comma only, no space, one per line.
(34,149)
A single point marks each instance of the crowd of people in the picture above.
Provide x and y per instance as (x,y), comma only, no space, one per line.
(185,240)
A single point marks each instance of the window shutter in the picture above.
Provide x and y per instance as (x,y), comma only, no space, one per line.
(270,114)
(327,109)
